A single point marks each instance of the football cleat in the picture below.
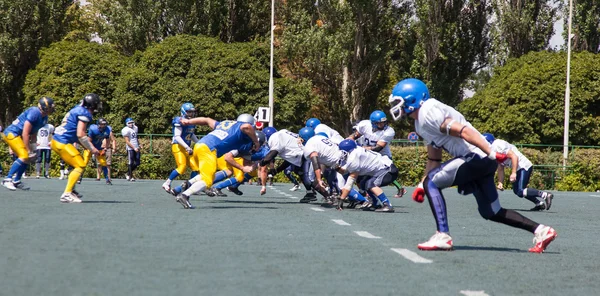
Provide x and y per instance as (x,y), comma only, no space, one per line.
(184,200)
(548,199)
(440,241)
(20,185)
(401,193)
(79,195)
(8,183)
(310,196)
(543,236)
(386,208)
(235,190)
(166,187)
(108,182)
(69,198)
(295,188)
(539,207)
(219,193)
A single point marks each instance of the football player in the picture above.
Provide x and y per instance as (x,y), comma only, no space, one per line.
(319,127)
(130,133)
(43,150)
(18,136)
(73,129)
(226,136)
(521,169)
(183,136)
(98,133)
(472,167)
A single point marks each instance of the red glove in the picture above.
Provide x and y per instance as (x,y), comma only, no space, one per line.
(499,157)
(419,194)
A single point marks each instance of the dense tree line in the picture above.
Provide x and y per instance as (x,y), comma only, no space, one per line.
(340,56)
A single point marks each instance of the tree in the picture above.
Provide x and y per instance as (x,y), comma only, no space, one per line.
(585,25)
(524,100)
(344,48)
(25,27)
(68,70)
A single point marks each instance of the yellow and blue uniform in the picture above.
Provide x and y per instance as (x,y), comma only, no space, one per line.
(13,136)
(62,143)
(235,181)
(182,157)
(97,137)
(226,136)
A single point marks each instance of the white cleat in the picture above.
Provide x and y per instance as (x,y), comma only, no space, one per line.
(440,241)
(543,236)
(8,183)
(70,198)
(295,188)
(167,187)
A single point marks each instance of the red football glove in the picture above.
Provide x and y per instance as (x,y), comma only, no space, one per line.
(419,194)
(499,157)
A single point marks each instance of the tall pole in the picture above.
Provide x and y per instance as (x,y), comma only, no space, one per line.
(567,89)
(271,111)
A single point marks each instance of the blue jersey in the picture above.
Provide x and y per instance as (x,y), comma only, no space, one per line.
(226,136)
(186,131)
(66,133)
(35,118)
(98,136)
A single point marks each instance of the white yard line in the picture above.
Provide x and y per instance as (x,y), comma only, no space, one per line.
(366,234)
(473,293)
(317,209)
(340,222)
(412,256)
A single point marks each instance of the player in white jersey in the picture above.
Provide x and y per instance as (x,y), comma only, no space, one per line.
(521,169)
(370,170)
(472,169)
(130,133)
(325,157)
(43,150)
(288,146)
(319,127)
(375,134)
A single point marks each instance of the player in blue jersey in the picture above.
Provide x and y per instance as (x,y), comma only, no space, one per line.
(73,130)
(183,136)
(244,157)
(98,133)
(226,136)
(18,136)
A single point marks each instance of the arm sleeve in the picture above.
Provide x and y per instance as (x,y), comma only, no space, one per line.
(177,130)
(270,156)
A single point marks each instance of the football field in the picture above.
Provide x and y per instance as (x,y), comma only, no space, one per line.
(134,239)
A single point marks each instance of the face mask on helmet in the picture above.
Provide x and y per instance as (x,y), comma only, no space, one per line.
(92,102)
(188,110)
(378,120)
(46,105)
(306,133)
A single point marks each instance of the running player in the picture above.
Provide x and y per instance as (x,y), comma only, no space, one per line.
(472,167)
(18,135)
(183,136)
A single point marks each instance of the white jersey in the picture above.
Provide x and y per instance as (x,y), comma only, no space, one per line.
(370,136)
(431,116)
(132,133)
(333,135)
(287,145)
(366,162)
(502,146)
(329,153)
(43,136)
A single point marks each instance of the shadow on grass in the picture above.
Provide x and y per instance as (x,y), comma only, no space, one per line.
(495,249)
(107,201)
(234,207)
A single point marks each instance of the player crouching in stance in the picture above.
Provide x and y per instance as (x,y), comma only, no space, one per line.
(472,168)
(226,136)
(73,129)
(98,133)
(371,170)
(521,169)
(183,136)
(322,153)
(18,135)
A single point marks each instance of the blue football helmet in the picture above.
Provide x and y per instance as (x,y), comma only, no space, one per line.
(188,110)
(306,133)
(129,120)
(489,137)
(407,96)
(376,117)
(312,122)
(46,104)
(268,131)
(347,145)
